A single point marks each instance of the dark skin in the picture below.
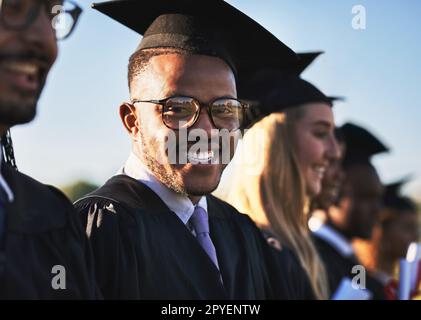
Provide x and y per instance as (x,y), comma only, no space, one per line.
(331,183)
(26,57)
(202,77)
(397,233)
(360,204)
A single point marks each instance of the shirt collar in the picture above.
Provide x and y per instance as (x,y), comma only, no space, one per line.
(331,236)
(181,205)
(3,183)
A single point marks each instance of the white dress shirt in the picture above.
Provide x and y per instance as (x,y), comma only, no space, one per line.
(331,236)
(181,205)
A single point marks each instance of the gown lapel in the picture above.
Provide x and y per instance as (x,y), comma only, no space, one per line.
(175,242)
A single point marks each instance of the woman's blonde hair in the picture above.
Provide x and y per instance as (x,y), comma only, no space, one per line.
(273,190)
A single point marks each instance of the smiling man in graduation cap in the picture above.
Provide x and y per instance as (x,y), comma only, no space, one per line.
(155,229)
(357,210)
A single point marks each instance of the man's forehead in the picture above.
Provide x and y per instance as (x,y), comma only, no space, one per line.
(182,62)
(176,68)
(199,76)
(361,168)
(363,176)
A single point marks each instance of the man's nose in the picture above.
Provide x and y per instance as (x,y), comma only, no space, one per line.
(204,122)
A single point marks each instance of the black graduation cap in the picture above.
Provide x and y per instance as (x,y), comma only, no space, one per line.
(361,145)
(304,60)
(211,27)
(393,198)
(264,76)
(271,90)
(278,93)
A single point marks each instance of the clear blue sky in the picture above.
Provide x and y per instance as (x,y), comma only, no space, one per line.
(77,133)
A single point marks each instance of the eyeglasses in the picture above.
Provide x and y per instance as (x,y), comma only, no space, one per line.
(183,112)
(20,14)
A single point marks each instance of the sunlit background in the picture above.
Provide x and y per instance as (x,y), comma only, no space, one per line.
(77,134)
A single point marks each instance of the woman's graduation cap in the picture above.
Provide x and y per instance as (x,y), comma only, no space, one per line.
(274,90)
(210,27)
(305,59)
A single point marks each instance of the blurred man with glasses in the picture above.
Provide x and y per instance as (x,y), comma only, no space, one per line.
(43,250)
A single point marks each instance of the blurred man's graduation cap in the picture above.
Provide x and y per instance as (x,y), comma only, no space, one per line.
(393,198)
(274,90)
(305,59)
(210,27)
(361,145)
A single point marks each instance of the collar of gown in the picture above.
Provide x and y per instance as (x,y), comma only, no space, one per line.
(331,236)
(181,205)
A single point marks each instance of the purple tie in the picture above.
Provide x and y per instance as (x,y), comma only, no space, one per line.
(200,223)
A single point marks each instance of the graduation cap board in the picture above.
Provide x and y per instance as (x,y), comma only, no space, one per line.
(265,76)
(273,90)
(305,59)
(210,27)
(361,145)
(394,199)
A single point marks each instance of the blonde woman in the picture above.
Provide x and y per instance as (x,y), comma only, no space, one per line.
(294,148)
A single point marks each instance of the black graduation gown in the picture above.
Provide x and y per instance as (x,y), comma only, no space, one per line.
(339,266)
(143,251)
(289,279)
(42,230)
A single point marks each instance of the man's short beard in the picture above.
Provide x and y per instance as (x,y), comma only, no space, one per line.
(13,113)
(155,159)
(164,174)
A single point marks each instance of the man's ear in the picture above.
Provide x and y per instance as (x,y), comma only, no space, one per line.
(130,120)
